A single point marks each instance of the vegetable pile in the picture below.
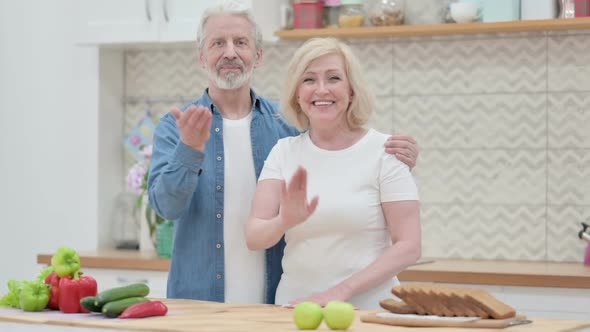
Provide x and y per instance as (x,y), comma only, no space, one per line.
(125,302)
(58,287)
(62,286)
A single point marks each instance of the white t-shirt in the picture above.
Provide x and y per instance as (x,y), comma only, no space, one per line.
(244,269)
(348,230)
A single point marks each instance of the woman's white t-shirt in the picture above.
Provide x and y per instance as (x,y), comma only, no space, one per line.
(348,230)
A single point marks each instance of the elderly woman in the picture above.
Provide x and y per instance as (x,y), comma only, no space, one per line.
(362,226)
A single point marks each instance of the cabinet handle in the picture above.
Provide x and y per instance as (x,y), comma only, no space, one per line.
(165,7)
(148,11)
(126,281)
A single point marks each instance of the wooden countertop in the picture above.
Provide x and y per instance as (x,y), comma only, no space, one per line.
(484,272)
(187,315)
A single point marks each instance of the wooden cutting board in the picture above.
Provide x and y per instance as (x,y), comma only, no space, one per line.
(433,321)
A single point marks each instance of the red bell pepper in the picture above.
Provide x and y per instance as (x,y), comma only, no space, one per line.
(73,289)
(145,309)
(53,280)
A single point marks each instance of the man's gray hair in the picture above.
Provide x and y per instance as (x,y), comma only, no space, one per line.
(231,7)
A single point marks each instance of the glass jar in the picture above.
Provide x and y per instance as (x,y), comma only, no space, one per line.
(352,14)
(417,12)
(331,13)
(386,12)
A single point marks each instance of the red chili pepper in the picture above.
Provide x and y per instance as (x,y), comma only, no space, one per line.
(145,309)
(53,280)
(71,290)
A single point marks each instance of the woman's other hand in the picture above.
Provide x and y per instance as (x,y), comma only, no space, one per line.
(295,208)
(404,147)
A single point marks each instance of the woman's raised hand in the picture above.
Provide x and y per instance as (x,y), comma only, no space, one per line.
(295,208)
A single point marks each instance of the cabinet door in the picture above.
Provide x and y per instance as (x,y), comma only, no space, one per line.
(180,19)
(116,21)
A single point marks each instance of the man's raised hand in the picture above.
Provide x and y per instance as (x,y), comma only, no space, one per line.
(194,125)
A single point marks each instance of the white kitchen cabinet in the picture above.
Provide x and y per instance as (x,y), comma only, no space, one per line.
(151,21)
(110,278)
(115,21)
(181,19)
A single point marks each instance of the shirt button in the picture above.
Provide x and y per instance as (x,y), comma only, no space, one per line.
(218,157)
(218,187)
(218,276)
(216,130)
(218,246)
(219,216)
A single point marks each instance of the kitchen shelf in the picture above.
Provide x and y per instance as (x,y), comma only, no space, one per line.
(448,29)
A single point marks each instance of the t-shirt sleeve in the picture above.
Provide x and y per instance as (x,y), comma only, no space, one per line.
(396,181)
(273,165)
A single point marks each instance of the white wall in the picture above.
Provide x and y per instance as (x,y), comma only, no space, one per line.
(48,136)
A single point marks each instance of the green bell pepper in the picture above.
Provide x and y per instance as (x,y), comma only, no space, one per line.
(65,262)
(34,296)
(12,299)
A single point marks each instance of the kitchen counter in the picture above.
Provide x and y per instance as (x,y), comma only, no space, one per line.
(187,315)
(486,272)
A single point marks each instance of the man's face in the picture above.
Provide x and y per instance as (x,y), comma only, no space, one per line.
(229,52)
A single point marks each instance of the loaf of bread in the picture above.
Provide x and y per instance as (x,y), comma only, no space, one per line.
(395,306)
(428,299)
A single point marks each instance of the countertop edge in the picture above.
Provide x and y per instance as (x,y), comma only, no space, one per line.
(502,273)
(124,263)
(499,279)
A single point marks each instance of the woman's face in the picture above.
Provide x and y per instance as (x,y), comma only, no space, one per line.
(324,92)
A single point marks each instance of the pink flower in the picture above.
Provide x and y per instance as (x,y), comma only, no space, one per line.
(135,177)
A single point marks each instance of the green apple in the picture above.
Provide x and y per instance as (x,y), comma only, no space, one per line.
(338,315)
(307,315)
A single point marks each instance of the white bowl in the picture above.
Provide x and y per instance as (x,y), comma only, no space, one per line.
(463,12)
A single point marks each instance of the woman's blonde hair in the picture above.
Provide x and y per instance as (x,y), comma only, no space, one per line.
(361,105)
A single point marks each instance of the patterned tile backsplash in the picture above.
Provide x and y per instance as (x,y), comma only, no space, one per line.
(502,121)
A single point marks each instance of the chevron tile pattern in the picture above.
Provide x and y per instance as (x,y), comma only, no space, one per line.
(516,121)
(164,73)
(269,78)
(569,120)
(470,66)
(501,121)
(569,177)
(382,117)
(484,231)
(377,72)
(569,63)
(482,176)
(563,225)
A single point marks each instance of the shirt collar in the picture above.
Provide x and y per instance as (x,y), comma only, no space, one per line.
(209,103)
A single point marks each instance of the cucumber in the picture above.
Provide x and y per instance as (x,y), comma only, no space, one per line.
(115,308)
(117,293)
(88,304)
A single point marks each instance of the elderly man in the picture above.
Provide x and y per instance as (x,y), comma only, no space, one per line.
(205,163)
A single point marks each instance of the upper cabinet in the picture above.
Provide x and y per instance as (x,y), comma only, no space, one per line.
(148,21)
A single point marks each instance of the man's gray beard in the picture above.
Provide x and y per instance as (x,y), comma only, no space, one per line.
(231,81)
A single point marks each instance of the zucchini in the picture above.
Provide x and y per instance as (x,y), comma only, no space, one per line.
(88,304)
(115,308)
(117,293)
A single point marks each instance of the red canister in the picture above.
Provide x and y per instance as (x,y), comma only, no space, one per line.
(308,15)
(582,8)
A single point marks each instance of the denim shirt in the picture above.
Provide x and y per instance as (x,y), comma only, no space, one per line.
(186,186)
